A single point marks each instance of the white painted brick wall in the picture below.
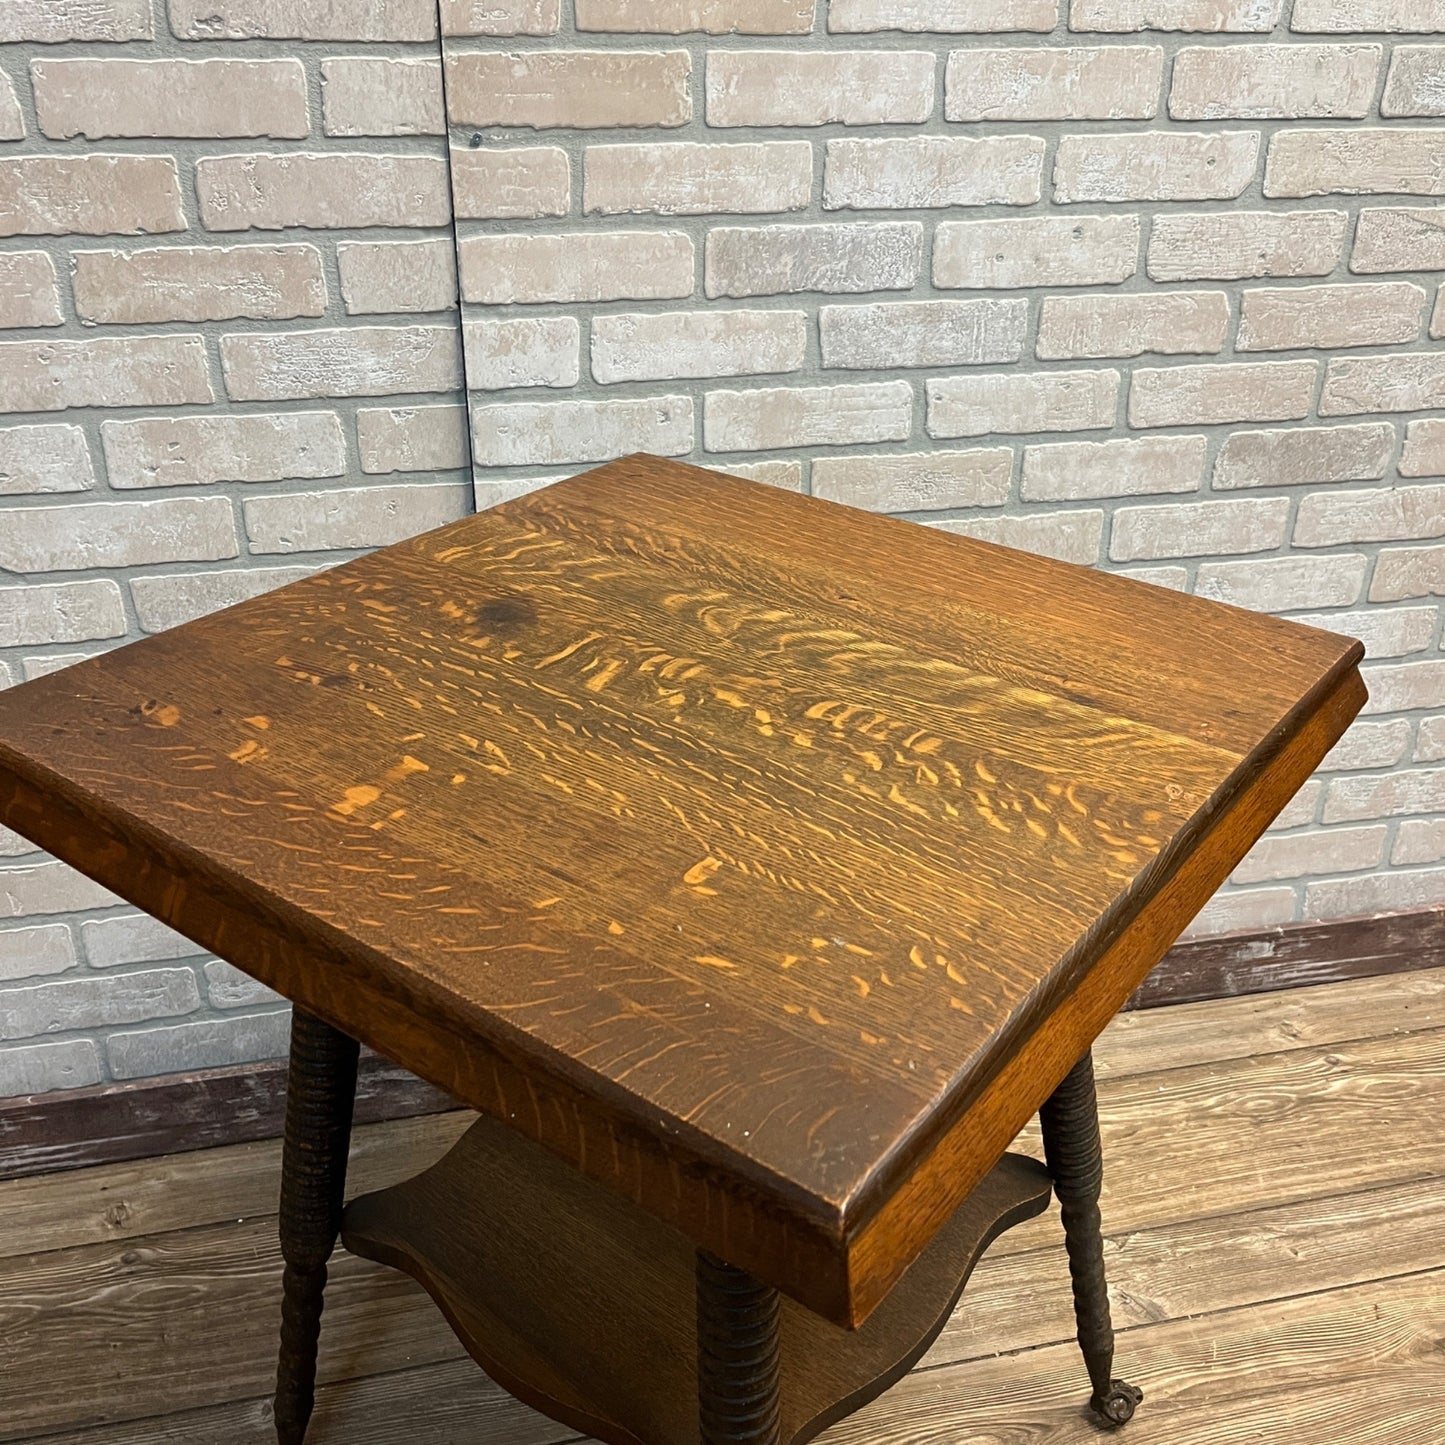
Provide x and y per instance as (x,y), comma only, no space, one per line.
(198,283)
(1042,251)
(930,171)
(101,99)
(1199,276)
(222,224)
(1150,285)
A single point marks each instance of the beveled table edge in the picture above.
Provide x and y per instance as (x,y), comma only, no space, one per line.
(881,1242)
(823,1252)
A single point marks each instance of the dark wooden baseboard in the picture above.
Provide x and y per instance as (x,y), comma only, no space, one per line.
(44,1133)
(1295,956)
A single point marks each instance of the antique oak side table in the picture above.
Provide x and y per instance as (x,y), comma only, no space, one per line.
(755,866)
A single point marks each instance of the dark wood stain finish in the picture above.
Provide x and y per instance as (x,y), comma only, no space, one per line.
(1069,1122)
(737,1348)
(581,1305)
(319,1097)
(642,815)
(177,1113)
(1304,1165)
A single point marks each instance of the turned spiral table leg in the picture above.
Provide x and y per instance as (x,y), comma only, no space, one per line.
(737,1355)
(1070,1120)
(320,1091)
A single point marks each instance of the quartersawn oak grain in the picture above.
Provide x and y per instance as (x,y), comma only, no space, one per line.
(121,1201)
(640,814)
(112,1123)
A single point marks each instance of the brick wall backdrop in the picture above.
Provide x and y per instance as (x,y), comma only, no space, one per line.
(1147,284)
(229,309)
(1144,284)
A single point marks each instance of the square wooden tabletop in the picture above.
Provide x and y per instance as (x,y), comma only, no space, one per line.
(769,861)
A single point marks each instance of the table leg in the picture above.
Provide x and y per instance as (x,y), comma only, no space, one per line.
(320,1092)
(1070,1120)
(737,1355)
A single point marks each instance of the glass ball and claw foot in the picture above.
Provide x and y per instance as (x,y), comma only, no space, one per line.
(1070,1122)
(755,867)
(448,1227)
(737,1317)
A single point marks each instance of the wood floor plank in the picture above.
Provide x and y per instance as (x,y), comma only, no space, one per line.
(1249,1133)
(1357,1366)
(1189,1144)
(1022,1301)
(1232,1185)
(1014,1302)
(166,1294)
(180,1191)
(452,1403)
(1205,1033)
(124,1201)
(185,1319)
(1246,1133)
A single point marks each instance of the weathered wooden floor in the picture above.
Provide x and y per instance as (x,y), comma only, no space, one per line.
(1275,1207)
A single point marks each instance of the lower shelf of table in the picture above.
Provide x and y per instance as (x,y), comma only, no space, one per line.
(583,1306)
